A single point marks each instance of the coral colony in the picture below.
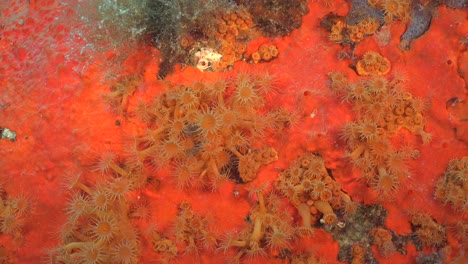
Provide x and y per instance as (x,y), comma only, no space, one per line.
(204,134)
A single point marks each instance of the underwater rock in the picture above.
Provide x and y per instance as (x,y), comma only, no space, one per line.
(360,9)
(167,20)
(276,18)
(421,16)
(458,4)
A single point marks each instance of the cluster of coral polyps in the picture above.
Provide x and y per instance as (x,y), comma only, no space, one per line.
(357,253)
(372,63)
(165,247)
(227,39)
(268,228)
(382,238)
(230,23)
(205,131)
(458,112)
(13,211)
(192,230)
(99,228)
(382,108)
(453,187)
(343,33)
(315,194)
(120,91)
(232,29)
(393,9)
(264,53)
(219,46)
(427,231)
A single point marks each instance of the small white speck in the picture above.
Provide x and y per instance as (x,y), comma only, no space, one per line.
(313,114)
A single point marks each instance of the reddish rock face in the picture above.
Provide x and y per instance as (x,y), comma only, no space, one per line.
(101,160)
